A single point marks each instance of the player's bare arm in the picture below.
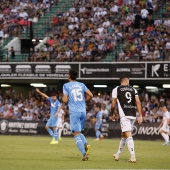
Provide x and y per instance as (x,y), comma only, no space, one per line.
(89,95)
(114,101)
(65,98)
(138,104)
(42,94)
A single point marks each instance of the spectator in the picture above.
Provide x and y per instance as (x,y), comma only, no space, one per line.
(5,111)
(12,52)
(23,14)
(30,55)
(24,115)
(50,41)
(121,56)
(149,7)
(7,54)
(105,112)
(55,22)
(144,13)
(29,116)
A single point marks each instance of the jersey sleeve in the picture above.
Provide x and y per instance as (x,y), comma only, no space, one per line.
(65,90)
(49,99)
(114,93)
(58,103)
(136,92)
(85,88)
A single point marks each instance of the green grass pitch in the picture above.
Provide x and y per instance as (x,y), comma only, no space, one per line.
(35,153)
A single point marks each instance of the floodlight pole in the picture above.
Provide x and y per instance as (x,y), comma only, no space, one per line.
(31,34)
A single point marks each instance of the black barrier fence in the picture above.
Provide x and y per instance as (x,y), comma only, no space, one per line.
(54,70)
(112,70)
(32,70)
(146,131)
(15,127)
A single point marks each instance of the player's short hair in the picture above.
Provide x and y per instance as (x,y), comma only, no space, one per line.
(98,105)
(122,78)
(53,94)
(73,74)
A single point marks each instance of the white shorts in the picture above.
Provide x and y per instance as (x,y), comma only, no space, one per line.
(165,128)
(126,124)
(59,123)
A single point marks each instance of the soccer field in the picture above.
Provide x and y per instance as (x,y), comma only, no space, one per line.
(35,153)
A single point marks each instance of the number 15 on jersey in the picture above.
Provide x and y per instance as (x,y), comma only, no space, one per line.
(77,93)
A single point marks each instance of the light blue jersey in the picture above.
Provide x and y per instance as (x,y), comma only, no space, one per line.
(54,106)
(99,117)
(76,100)
(52,121)
(98,120)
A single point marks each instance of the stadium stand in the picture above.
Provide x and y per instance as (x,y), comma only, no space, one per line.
(16,18)
(85,30)
(35,107)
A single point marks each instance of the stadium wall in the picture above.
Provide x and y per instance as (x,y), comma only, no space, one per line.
(146,131)
(95,71)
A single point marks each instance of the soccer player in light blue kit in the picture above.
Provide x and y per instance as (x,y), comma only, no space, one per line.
(98,122)
(74,93)
(52,121)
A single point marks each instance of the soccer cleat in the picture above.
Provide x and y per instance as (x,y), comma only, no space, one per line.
(101,137)
(87,149)
(54,141)
(132,160)
(165,144)
(97,139)
(116,157)
(85,157)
